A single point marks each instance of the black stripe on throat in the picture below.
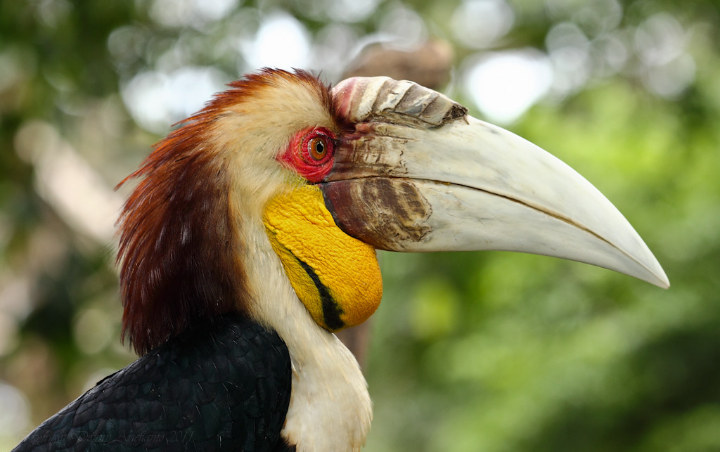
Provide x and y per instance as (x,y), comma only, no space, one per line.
(330,308)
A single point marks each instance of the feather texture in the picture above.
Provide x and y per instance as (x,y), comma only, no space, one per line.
(181,254)
(223,385)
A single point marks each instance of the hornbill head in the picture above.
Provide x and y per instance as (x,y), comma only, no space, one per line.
(273,199)
(333,175)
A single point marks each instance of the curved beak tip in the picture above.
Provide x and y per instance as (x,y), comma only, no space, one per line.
(660,278)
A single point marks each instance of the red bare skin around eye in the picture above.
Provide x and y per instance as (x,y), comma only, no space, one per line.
(300,157)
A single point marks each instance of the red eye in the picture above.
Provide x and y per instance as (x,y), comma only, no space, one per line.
(316,146)
(311,153)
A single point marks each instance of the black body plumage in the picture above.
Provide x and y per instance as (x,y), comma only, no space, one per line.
(222,385)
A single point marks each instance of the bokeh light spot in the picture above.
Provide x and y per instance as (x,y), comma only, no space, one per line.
(504,85)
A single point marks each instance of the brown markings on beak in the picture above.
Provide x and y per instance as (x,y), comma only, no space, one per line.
(368,190)
(371,150)
(380,211)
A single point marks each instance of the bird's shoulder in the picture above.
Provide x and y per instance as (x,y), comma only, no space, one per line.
(224,384)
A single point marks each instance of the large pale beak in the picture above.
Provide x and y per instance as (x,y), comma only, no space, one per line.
(419,174)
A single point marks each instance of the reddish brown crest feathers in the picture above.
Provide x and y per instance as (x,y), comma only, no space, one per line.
(178,249)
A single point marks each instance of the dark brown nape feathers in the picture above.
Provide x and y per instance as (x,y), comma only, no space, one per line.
(178,252)
(176,242)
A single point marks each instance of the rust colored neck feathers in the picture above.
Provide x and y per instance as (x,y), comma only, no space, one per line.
(178,251)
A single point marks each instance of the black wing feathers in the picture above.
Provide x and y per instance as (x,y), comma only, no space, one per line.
(224,385)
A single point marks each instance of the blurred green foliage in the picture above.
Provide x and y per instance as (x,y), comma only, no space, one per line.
(470,352)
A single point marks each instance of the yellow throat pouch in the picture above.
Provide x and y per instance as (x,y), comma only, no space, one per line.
(337,277)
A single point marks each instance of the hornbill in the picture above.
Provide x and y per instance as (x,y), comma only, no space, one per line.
(252,235)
